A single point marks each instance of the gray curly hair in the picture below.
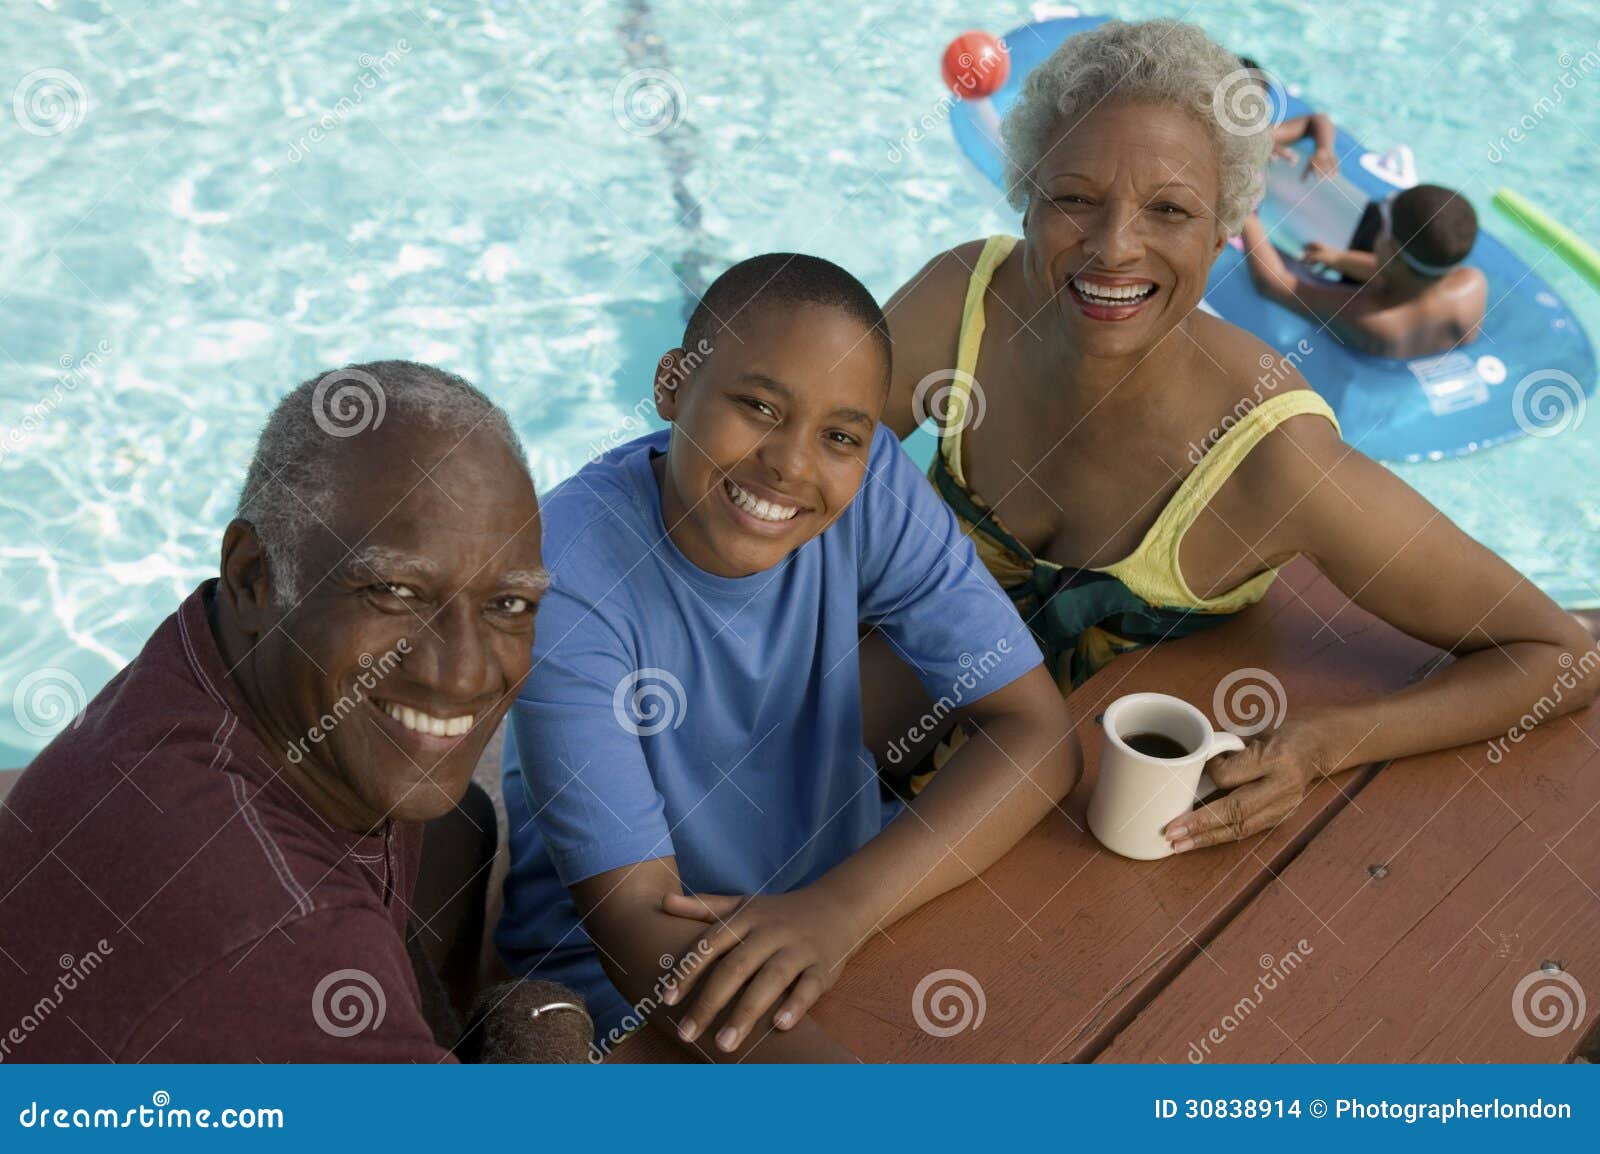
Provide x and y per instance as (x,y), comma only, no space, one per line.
(1154,61)
(293,478)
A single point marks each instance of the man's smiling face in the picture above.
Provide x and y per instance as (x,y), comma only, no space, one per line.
(415,631)
(770,436)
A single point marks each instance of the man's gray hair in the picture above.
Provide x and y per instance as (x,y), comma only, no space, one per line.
(292,477)
(1149,62)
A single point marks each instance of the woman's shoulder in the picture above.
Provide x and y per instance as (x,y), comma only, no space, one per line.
(924,318)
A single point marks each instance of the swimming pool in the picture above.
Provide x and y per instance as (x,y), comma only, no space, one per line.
(199,211)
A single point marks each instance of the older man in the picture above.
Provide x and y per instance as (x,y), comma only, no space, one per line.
(216,861)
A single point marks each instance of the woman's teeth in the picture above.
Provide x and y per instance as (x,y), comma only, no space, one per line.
(755,506)
(420,722)
(1102,294)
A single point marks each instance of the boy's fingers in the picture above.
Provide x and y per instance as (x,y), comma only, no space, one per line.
(702,907)
(727,978)
(806,992)
(693,963)
(759,996)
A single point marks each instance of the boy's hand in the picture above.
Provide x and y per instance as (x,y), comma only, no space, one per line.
(1323,162)
(766,947)
(1318,253)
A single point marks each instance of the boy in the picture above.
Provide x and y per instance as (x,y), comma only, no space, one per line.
(1410,296)
(694,721)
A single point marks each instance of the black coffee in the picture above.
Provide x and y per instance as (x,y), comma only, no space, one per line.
(1156,745)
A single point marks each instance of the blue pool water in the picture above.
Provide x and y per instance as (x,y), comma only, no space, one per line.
(199,210)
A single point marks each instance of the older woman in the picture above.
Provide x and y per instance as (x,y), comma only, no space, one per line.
(1141,467)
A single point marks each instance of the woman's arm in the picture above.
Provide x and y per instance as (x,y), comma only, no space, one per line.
(1517,652)
(924,318)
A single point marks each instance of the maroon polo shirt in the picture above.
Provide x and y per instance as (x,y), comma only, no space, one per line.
(166,896)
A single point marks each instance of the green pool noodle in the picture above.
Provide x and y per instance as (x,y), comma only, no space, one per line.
(1582,256)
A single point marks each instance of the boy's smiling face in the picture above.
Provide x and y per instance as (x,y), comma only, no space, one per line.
(770,434)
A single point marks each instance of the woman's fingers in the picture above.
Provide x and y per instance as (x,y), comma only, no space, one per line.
(760,994)
(1236,815)
(806,991)
(1232,770)
(725,980)
(711,908)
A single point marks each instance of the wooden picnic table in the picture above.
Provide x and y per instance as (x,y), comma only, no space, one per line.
(1392,917)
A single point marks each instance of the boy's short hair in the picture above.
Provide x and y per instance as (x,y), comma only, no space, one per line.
(1434,225)
(783,279)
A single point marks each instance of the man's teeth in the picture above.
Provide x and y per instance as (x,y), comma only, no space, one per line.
(415,719)
(756,507)
(1112,294)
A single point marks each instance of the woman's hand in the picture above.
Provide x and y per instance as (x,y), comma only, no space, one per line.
(765,947)
(1266,781)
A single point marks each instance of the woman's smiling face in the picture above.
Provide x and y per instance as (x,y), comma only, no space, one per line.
(770,436)
(1121,225)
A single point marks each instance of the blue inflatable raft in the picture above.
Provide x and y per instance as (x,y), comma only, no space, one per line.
(1422,409)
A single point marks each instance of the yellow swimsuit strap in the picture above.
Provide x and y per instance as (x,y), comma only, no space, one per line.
(1152,570)
(995,251)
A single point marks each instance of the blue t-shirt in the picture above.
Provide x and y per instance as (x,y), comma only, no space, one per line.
(672,712)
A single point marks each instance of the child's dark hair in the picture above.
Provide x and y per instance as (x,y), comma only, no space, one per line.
(1437,226)
(785,280)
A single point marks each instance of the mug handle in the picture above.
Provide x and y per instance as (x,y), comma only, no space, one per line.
(1220,743)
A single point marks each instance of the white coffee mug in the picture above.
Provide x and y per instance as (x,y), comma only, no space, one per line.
(1137,794)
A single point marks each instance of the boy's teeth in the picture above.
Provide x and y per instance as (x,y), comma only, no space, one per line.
(756,507)
(415,719)
(1113,293)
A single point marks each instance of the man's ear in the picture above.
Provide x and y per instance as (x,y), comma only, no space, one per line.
(245,586)
(671,371)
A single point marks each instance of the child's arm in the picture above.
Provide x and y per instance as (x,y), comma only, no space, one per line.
(1324,136)
(622,912)
(1361,266)
(1020,761)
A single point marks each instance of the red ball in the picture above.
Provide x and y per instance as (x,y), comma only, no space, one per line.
(976,64)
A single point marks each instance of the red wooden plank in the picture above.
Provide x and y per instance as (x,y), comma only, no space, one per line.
(1066,940)
(1484,873)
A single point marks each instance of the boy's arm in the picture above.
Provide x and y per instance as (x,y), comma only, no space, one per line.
(1361,266)
(1020,761)
(622,912)
(1378,332)
(1324,136)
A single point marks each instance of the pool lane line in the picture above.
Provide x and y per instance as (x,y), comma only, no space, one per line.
(646,49)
